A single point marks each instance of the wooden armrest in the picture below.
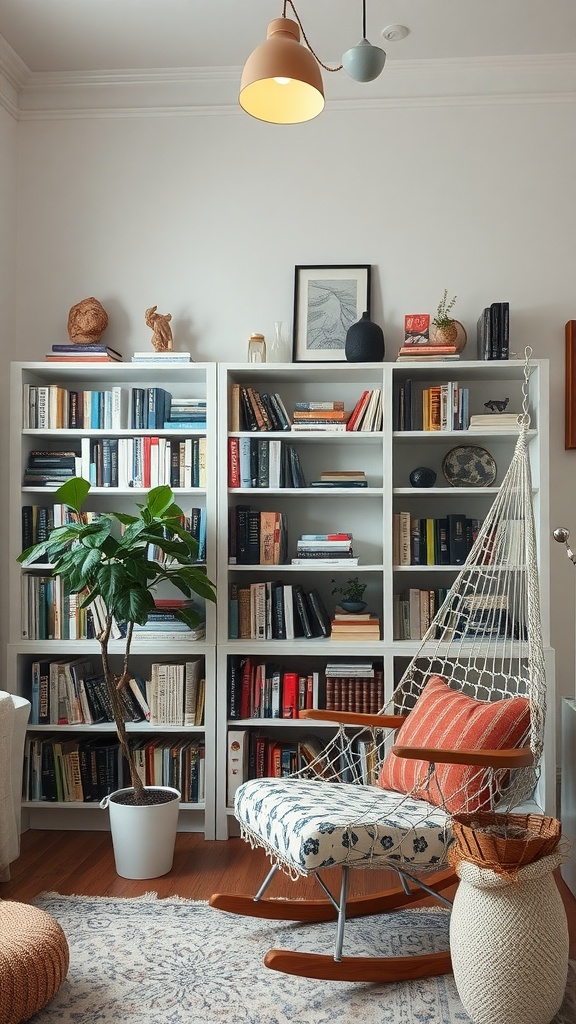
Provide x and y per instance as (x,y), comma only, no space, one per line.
(353,718)
(517,757)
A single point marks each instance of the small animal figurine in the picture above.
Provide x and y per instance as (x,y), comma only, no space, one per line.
(160,325)
(496,406)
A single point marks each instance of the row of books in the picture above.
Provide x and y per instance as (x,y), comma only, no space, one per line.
(445,407)
(256,538)
(38,521)
(258,689)
(355,693)
(263,462)
(493,332)
(274,610)
(71,692)
(154,408)
(446,540)
(367,413)
(175,693)
(413,611)
(251,409)
(254,755)
(325,549)
(80,770)
(478,617)
(51,612)
(145,461)
(54,407)
(440,407)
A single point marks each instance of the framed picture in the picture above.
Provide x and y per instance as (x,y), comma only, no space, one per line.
(327,301)
(570,372)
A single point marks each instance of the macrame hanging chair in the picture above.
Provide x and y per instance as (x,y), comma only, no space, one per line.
(470,711)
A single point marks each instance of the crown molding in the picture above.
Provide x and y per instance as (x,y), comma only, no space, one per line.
(213,90)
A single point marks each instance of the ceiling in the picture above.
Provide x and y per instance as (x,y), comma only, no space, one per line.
(102,35)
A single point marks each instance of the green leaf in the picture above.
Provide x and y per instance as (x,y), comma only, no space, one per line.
(159,500)
(73,493)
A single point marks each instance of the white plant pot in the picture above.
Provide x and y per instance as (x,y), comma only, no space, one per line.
(509,943)
(143,837)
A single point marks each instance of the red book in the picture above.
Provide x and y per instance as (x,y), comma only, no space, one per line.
(233,462)
(358,411)
(246,690)
(290,682)
(146,460)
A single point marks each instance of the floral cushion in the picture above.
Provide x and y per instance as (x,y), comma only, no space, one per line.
(308,825)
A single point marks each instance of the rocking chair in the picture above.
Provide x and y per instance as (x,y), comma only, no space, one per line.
(462,732)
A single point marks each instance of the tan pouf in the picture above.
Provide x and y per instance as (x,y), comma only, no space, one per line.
(34,960)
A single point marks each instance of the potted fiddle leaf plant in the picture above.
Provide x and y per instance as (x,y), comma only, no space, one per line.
(108,559)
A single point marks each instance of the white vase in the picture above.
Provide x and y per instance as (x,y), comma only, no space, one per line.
(143,835)
(509,943)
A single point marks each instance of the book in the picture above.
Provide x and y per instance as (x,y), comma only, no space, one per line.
(421,357)
(86,349)
(430,350)
(161,357)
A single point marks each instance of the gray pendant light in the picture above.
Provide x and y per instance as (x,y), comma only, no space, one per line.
(364,62)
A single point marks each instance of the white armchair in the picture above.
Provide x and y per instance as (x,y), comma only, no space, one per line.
(14,714)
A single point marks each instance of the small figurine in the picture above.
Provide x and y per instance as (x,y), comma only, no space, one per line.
(496,406)
(160,325)
(87,321)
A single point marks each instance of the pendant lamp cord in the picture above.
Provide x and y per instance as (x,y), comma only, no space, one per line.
(305,38)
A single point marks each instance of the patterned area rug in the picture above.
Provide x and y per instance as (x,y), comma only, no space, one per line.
(172,961)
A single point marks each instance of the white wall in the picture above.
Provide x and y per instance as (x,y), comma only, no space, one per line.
(8,141)
(207,216)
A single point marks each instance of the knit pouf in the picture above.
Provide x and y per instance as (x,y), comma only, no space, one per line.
(33,960)
(509,943)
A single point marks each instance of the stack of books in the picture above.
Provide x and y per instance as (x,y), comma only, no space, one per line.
(353,626)
(185,414)
(163,623)
(341,478)
(354,684)
(496,421)
(367,413)
(426,352)
(161,358)
(320,416)
(78,353)
(50,468)
(325,549)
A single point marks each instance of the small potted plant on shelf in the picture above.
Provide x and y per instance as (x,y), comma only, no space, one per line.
(351,594)
(447,330)
(108,559)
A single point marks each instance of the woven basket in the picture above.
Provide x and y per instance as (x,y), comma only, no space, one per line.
(503,842)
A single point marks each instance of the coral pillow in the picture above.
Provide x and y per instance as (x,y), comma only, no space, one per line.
(442,717)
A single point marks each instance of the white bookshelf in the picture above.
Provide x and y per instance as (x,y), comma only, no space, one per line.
(387,457)
(189,380)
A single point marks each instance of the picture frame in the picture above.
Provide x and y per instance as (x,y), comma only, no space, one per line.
(327,301)
(570,386)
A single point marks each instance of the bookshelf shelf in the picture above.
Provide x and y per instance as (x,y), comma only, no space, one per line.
(120,382)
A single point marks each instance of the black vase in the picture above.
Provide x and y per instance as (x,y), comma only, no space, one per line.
(364,342)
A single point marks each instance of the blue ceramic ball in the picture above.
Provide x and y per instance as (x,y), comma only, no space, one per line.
(422,477)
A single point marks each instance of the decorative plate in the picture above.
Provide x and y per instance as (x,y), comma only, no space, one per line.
(468,465)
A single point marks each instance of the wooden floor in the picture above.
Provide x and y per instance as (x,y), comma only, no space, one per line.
(82,863)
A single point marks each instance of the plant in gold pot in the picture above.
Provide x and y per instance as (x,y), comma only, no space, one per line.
(447,330)
(108,558)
